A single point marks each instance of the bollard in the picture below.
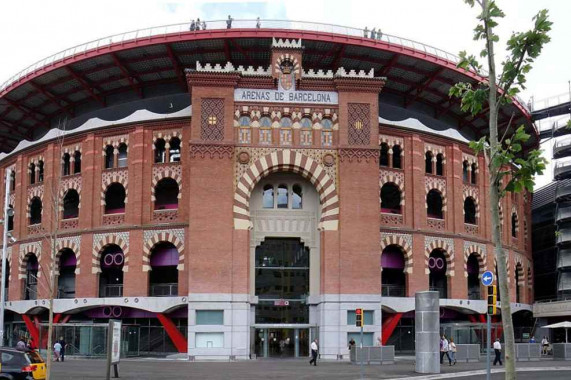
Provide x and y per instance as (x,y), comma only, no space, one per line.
(427,335)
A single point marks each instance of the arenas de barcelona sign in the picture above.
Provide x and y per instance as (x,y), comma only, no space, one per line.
(285,96)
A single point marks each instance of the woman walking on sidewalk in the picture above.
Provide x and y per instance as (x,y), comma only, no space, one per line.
(452,351)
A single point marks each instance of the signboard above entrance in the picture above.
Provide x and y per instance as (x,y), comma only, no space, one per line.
(283,96)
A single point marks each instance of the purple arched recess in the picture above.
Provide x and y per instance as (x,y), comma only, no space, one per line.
(473,266)
(392,258)
(164,256)
(68,259)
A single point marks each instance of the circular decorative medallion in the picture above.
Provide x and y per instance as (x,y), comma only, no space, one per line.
(243,157)
(328,160)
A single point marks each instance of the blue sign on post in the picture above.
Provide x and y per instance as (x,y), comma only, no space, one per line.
(487,278)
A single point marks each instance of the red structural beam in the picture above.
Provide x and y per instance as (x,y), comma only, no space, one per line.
(176,336)
(85,86)
(32,328)
(389,326)
(176,66)
(128,75)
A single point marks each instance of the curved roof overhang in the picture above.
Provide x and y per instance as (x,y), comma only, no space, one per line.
(135,68)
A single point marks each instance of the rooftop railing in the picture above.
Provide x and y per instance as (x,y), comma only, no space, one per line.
(550,101)
(164,30)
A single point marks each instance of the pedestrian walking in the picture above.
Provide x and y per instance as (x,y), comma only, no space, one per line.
(379,34)
(62,351)
(57,351)
(498,351)
(314,351)
(366,32)
(21,345)
(203,25)
(452,351)
(532,340)
(192,26)
(258,23)
(444,346)
(544,345)
(351,344)
(229,22)
(198,24)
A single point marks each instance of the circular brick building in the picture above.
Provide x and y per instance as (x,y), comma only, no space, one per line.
(234,191)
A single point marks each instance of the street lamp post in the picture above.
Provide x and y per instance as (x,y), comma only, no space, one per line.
(4,251)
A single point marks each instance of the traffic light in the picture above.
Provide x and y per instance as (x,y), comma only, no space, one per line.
(359,317)
(492,299)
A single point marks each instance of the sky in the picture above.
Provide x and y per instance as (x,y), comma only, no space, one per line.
(34,29)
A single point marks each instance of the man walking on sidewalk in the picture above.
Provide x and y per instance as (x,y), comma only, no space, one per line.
(498,351)
(314,350)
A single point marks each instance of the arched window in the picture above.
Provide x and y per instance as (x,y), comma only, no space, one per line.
(109,156)
(40,171)
(115,199)
(282,196)
(160,151)
(437,275)
(469,210)
(465,171)
(11,219)
(473,268)
(286,137)
(163,276)
(32,171)
(296,197)
(174,150)
(111,276)
(122,158)
(384,155)
(268,197)
(265,122)
(518,275)
(434,204)
(66,164)
(31,280)
(12,180)
(71,204)
(474,173)
(166,194)
(428,162)
(326,132)
(390,198)
(77,162)
(265,130)
(244,121)
(514,224)
(306,135)
(35,211)
(305,123)
(439,164)
(393,277)
(397,162)
(66,278)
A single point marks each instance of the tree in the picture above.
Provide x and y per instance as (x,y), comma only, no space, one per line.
(510,168)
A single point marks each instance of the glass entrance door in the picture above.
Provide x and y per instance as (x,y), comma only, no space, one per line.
(281,343)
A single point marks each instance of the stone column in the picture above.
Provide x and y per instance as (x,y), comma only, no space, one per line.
(427,334)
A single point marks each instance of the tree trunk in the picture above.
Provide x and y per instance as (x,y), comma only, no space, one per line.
(509,342)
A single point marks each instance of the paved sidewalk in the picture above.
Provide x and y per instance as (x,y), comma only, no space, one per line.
(291,369)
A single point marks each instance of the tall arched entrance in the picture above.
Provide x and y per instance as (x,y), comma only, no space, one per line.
(285,263)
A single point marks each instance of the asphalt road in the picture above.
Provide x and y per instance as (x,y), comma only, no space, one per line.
(290,369)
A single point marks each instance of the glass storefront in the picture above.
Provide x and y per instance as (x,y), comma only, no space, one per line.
(281,342)
(282,281)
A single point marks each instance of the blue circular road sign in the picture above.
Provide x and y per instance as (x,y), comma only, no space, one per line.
(487,278)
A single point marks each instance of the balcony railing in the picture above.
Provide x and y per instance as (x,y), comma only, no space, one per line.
(115,290)
(164,290)
(393,291)
(30,292)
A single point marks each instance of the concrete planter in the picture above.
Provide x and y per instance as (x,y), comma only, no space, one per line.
(526,352)
(561,351)
(468,353)
(373,355)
